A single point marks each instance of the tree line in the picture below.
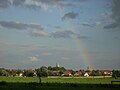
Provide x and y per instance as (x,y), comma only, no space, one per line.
(44,71)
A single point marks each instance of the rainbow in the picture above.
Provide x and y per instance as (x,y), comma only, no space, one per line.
(84,53)
(83,50)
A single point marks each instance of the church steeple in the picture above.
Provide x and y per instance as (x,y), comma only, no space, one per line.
(57,65)
(88,68)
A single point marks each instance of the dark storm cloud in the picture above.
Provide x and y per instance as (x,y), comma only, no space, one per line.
(116,10)
(115,6)
(18,25)
(69,15)
(4,4)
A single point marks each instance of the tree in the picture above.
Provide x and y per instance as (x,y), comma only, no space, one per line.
(103,74)
(60,73)
(62,68)
(56,68)
(50,68)
(42,72)
(50,73)
(19,71)
(82,72)
(116,73)
(4,73)
(29,73)
(93,73)
(97,72)
(72,72)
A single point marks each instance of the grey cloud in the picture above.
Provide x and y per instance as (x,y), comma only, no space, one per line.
(66,4)
(4,4)
(18,2)
(39,33)
(69,15)
(62,34)
(86,25)
(35,26)
(82,37)
(32,4)
(38,4)
(33,59)
(116,10)
(110,26)
(35,4)
(43,4)
(69,3)
(72,0)
(115,7)
(67,34)
(58,27)
(34,7)
(19,26)
(58,34)
(13,25)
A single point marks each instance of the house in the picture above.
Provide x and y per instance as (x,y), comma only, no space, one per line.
(106,72)
(20,74)
(67,73)
(78,73)
(35,74)
(55,72)
(86,75)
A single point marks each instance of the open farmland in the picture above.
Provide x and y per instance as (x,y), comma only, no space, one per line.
(57,83)
(79,80)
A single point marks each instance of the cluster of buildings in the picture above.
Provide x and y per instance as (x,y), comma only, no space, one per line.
(57,71)
(85,73)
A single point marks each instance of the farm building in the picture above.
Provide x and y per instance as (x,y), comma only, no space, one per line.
(67,73)
(86,74)
(106,72)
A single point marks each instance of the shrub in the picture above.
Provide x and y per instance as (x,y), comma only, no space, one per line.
(3,83)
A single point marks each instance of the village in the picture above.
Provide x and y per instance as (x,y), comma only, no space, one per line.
(44,71)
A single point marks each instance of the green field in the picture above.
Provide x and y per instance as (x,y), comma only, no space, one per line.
(58,83)
(59,80)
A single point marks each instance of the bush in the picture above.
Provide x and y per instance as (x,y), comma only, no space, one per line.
(3,83)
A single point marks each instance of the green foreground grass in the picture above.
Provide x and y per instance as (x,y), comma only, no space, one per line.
(60,80)
(57,86)
(30,83)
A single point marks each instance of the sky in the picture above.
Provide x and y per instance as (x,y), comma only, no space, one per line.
(74,33)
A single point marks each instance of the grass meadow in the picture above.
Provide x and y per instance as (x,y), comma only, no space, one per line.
(58,83)
(79,80)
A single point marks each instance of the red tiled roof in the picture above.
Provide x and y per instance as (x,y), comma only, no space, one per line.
(67,73)
(105,71)
(55,71)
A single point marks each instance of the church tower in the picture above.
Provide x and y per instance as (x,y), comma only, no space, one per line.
(88,68)
(57,65)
